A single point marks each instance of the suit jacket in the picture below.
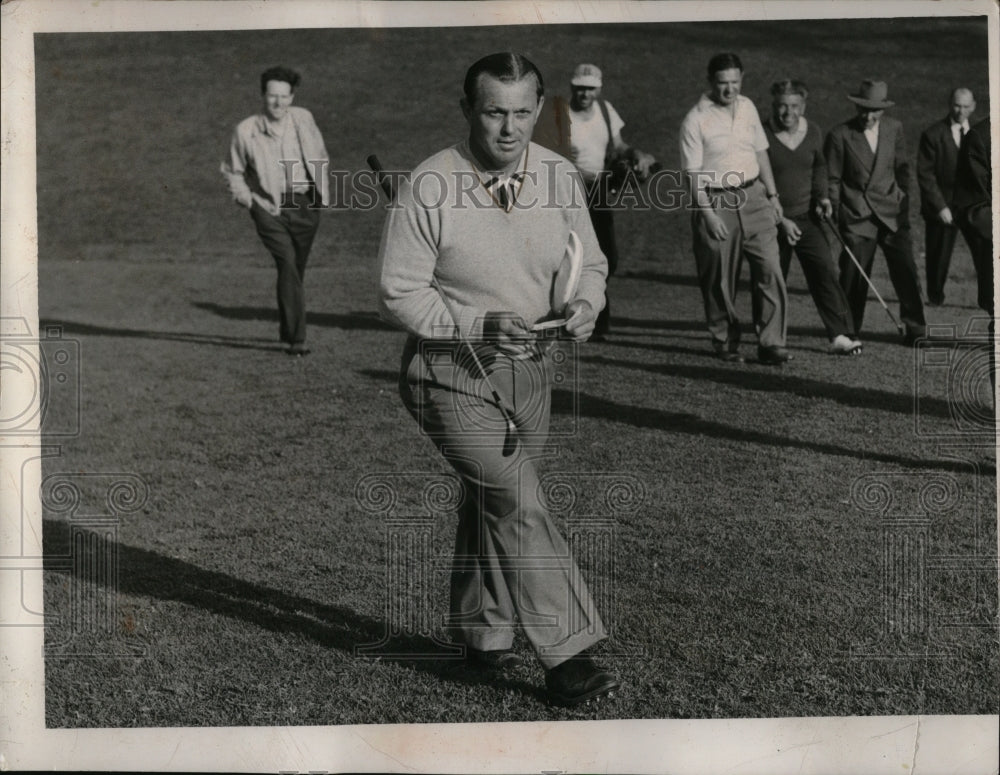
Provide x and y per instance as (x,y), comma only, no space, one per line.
(937,157)
(973,192)
(868,190)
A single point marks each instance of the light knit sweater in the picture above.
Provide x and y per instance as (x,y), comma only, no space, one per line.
(445,224)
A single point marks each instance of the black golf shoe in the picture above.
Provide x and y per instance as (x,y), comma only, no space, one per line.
(579,680)
(773,356)
(727,351)
(499,660)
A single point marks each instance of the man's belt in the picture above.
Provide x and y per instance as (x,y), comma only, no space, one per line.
(723,189)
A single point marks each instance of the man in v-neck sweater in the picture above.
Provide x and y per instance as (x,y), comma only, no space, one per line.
(795,147)
(468,256)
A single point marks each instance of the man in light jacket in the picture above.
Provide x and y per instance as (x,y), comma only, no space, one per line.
(277,169)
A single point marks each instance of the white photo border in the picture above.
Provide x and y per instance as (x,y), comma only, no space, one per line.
(959,744)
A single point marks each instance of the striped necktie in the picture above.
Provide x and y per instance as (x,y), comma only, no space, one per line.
(504,190)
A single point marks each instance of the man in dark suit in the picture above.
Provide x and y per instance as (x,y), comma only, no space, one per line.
(869,177)
(936,161)
(972,205)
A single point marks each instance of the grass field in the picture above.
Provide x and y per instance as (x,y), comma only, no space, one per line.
(747,581)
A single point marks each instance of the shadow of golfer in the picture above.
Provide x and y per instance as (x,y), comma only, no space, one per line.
(661,325)
(350,321)
(688,423)
(144,573)
(89,329)
(773,381)
(381,375)
(671,278)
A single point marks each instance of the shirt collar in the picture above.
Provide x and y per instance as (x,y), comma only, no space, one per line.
(266,128)
(488,179)
(706,101)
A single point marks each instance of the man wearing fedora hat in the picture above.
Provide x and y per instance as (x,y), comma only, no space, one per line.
(869,180)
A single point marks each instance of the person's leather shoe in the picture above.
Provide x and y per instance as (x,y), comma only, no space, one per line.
(773,356)
(727,351)
(912,335)
(497,659)
(579,680)
(298,350)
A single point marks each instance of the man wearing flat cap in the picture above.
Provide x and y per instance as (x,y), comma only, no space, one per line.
(869,181)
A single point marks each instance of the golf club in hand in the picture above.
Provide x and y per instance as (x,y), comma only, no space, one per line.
(899,326)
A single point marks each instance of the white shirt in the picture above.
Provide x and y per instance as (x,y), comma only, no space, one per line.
(588,138)
(957,130)
(871,135)
(718,139)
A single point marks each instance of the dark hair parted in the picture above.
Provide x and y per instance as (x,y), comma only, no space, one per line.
(505,67)
(721,62)
(279,73)
(788,86)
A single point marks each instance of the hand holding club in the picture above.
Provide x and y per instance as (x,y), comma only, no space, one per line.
(580,320)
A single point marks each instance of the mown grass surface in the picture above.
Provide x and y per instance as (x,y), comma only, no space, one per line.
(748,583)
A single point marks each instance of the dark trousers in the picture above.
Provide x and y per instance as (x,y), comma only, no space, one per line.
(602,217)
(982,256)
(813,252)
(289,237)
(897,247)
(939,242)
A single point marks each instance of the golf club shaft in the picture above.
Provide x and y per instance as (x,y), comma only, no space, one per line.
(386,183)
(479,364)
(854,259)
(383,180)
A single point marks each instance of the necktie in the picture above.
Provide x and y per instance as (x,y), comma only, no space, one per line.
(505,191)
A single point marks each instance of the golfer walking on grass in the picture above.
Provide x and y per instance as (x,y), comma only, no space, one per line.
(869,185)
(724,156)
(468,257)
(795,147)
(277,169)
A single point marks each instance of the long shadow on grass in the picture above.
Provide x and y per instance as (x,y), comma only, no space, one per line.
(88,329)
(685,422)
(671,278)
(665,325)
(148,574)
(381,375)
(351,320)
(773,382)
